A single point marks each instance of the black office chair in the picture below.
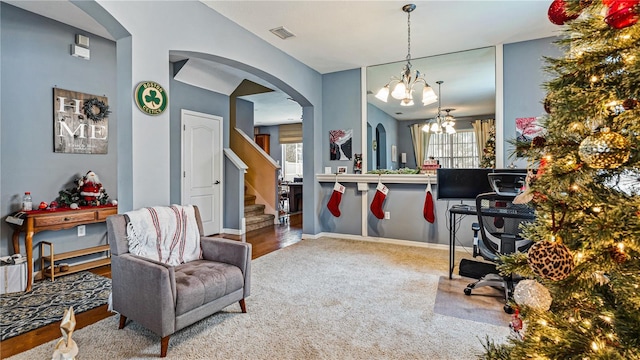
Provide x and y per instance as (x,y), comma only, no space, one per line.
(499,221)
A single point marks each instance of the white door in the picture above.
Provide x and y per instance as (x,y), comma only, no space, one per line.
(202,167)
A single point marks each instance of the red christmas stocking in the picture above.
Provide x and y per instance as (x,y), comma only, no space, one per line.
(378,199)
(334,202)
(428,213)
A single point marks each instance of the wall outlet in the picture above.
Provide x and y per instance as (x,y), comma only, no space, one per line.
(387,215)
(82,230)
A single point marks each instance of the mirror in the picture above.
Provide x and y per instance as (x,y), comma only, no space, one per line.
(468,88)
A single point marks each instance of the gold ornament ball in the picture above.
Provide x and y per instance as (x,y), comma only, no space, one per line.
(604,150)
(550,260)
(576,127)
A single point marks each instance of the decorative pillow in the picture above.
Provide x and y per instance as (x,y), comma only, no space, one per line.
(168,234)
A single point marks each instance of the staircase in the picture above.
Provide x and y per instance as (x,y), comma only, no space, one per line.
(254,215)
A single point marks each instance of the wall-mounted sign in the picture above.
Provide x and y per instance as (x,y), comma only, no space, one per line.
(80,122)
(151,98)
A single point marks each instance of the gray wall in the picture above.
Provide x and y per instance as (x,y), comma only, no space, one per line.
(233,195)
(35,51)
(523,92)
(244,116)
(377,117)
(350,210)
(184,96)
(274,141)
(405,203)
(35,58)
(341,110)
(523,78)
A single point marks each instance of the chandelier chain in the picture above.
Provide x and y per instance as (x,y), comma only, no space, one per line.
(409,36)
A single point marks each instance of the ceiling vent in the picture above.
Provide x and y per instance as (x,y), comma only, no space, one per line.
(282,33)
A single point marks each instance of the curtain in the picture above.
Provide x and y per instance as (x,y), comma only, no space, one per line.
(290,133)
(420,142)
(481,128)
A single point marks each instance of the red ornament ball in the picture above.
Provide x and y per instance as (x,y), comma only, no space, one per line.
(622,13)
(558,13)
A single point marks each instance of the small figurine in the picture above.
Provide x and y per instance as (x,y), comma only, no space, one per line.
(90,187)
(66,348)
(357,163)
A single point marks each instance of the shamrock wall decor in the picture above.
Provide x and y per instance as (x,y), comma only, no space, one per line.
(151,98)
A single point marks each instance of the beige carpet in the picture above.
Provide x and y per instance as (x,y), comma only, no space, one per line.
(318,299)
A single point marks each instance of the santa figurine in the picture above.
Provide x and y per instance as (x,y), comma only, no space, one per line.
(90,187)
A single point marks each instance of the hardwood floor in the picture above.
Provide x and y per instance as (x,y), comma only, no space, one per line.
(263,241)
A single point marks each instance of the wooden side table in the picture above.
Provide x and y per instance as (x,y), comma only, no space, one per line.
(59,219)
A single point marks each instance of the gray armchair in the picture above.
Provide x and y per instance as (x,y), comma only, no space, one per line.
(165,298)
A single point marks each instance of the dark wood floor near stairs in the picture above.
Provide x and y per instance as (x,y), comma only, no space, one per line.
(264,241)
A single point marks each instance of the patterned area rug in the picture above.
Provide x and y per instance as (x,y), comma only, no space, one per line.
(46,303)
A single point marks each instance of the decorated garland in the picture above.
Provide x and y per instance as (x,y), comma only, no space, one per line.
(103,108)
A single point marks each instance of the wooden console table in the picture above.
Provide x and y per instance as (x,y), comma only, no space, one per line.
(60,219)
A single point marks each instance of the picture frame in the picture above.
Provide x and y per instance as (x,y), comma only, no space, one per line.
(340,143)
(342,169)
(80,122)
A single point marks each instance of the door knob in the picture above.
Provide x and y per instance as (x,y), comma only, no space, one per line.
(217,182)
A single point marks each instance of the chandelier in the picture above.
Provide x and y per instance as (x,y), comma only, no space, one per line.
(447,122)
(404,85)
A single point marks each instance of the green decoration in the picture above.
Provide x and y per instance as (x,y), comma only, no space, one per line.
(593,277)
(89,105)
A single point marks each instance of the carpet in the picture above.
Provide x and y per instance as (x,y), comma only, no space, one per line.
(317,299)
(45,304)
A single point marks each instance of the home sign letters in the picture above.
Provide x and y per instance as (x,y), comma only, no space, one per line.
(81,123)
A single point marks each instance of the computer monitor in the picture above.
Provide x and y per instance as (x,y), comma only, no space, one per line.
(462,184)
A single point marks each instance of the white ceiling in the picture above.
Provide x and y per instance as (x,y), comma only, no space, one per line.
(340,35)
(332,36)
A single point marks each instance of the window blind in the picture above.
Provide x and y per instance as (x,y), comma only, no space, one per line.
(290,133)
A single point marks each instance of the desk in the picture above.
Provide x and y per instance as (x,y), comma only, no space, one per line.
(453,211)
(60,219)
(295,196)
(471,210)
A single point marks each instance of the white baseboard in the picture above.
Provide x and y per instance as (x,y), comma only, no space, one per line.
(383,240)
(232,231)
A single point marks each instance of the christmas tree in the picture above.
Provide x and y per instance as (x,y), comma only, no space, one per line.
(581,299)
(489,151)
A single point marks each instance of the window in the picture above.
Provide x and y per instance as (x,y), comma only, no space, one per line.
(457,150)
(292,161)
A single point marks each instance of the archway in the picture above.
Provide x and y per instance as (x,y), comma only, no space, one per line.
(381,152)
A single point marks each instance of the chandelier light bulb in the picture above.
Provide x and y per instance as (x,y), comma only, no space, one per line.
(383,93)
(399,91)
(450,130)
(428,95)
(425,127)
